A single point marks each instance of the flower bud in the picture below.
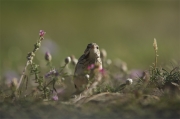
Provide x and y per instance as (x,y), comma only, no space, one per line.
(124,67)
(31,54)
(129,81)
(74,60)
(41,33)
(37,45)
(67,60)
(109,61)
(103,53)
(48,56)
(87,76)
(30,58)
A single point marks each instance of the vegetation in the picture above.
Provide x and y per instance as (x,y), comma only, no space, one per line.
(122,93)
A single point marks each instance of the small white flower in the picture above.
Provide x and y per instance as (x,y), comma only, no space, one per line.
(129,81)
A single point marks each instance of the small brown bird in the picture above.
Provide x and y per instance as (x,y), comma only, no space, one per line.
(90,57)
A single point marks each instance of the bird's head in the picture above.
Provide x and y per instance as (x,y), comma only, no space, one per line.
(92,51)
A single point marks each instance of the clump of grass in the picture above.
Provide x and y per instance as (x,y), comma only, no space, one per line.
(161,78)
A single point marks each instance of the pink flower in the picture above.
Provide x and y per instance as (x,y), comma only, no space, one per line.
(90,67)
(55,98)
(41,33)
(102,71)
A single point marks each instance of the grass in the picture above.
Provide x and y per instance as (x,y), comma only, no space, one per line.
(151,94)
(125,29)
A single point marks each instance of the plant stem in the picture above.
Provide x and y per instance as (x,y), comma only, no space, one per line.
(49,83)
(22,75)
(156,58)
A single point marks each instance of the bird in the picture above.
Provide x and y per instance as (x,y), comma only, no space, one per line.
(91,57)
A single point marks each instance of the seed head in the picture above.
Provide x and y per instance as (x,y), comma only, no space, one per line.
(155,45)
(129,81)
(67,60)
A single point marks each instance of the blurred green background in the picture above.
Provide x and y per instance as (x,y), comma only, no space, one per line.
(126,30)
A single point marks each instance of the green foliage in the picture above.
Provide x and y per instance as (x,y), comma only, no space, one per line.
(160,77)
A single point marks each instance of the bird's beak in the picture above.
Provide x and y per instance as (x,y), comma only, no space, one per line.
(92,47)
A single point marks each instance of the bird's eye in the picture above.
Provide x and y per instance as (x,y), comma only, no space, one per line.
(97,47)
(88,47)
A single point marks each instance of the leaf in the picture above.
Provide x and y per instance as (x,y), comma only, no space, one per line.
(175,84)
(121,87)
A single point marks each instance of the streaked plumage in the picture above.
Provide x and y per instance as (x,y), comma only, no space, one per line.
(91,56)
